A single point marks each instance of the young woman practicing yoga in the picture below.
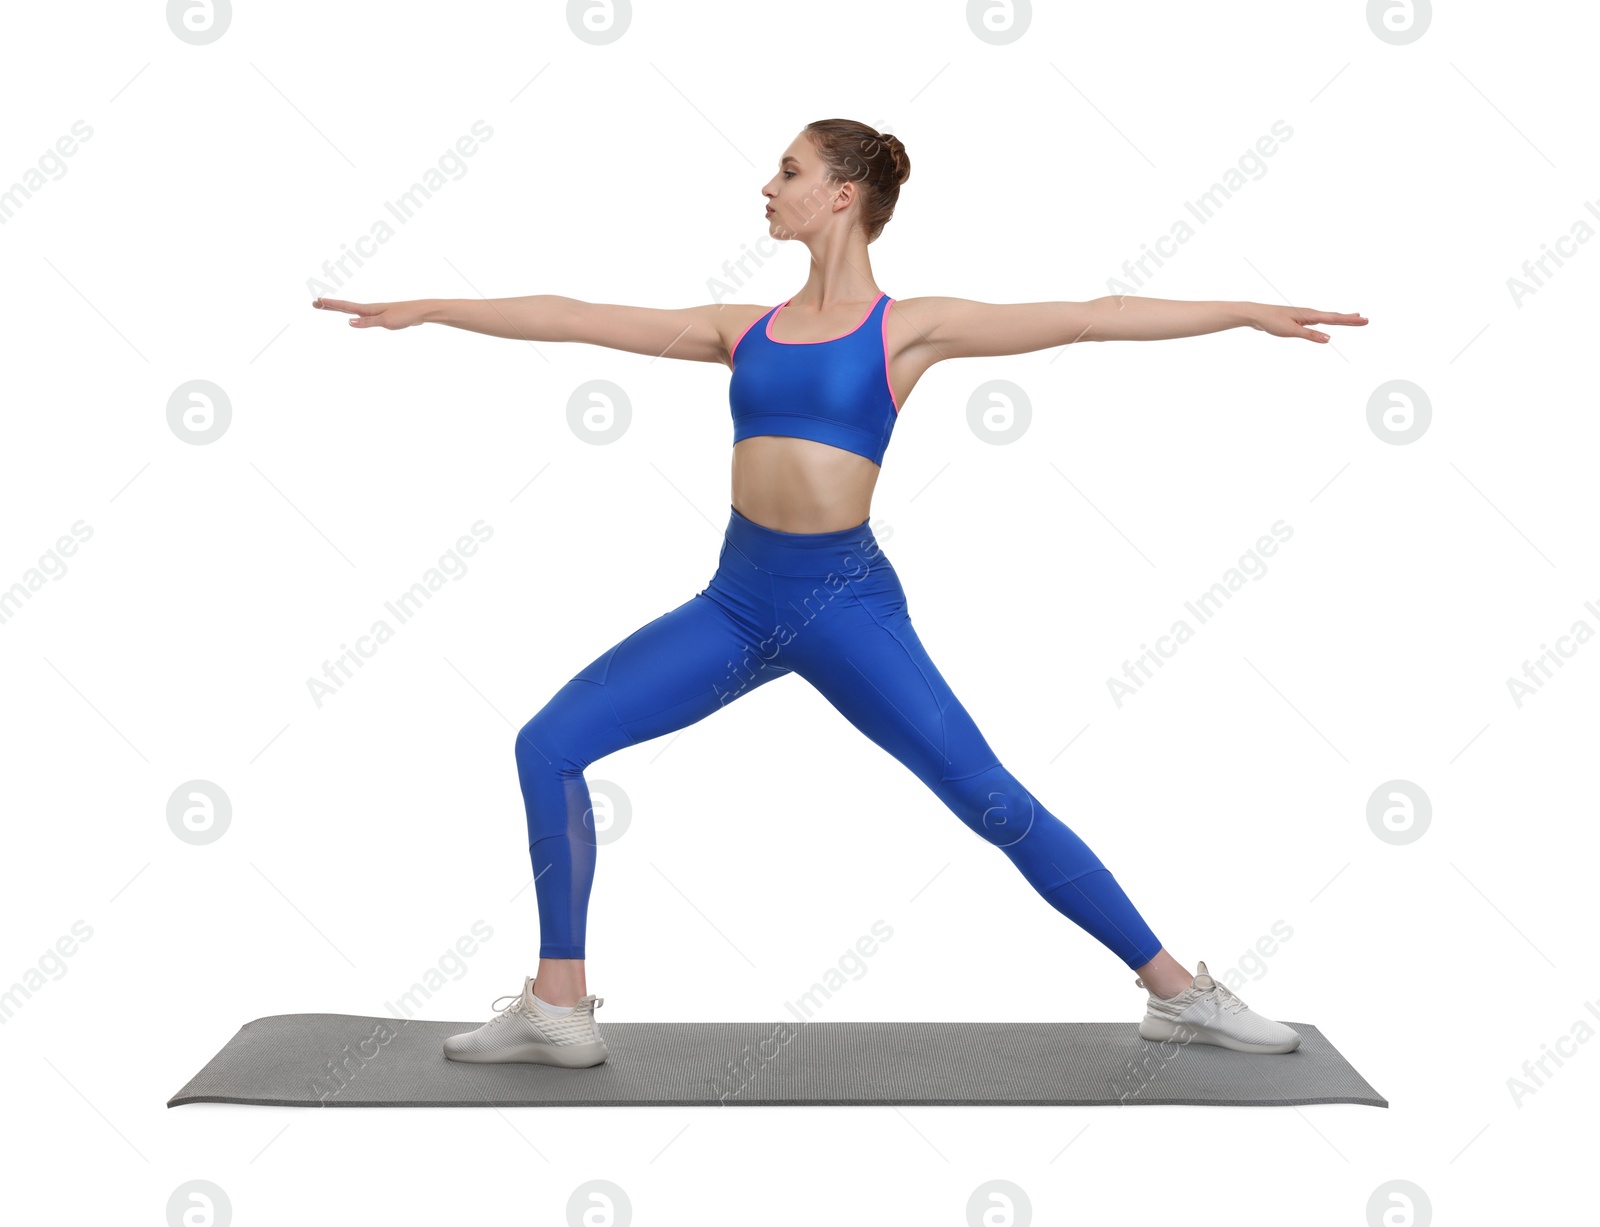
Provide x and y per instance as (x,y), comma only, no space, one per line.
(801,585)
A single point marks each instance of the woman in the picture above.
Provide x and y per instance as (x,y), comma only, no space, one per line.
(801,585)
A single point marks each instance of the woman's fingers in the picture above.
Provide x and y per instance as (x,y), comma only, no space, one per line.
(339,304)
(366,314)
(391,315)
(1296,319)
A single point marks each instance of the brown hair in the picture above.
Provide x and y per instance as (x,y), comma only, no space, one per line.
(854,153)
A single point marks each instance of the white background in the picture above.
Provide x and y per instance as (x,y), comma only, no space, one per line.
(369,833)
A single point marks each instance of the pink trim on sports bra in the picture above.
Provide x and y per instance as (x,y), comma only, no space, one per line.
(825,340)
(735,346)
(883,336)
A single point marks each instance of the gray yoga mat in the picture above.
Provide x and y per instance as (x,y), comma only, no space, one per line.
(351,1061)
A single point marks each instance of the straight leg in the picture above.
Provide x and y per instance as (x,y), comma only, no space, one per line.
(866,659)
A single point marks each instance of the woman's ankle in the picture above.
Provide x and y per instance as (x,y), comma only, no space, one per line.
(1164,976)
(556,996)
(560,981)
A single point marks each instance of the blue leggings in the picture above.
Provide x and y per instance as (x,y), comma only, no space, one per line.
(829,607)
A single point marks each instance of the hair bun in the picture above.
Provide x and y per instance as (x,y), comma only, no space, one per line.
(897,152)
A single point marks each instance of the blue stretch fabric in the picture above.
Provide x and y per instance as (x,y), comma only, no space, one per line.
(829,607)
(835,391)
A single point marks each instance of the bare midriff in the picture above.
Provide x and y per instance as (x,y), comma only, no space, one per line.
(800,486)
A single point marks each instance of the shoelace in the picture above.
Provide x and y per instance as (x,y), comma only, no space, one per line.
(1223,998)
(516,1005)
(514,1008)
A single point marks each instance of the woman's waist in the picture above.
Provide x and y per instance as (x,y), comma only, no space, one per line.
(847,552)
(799,486)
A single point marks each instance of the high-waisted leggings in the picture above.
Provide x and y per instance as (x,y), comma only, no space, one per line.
(829,607)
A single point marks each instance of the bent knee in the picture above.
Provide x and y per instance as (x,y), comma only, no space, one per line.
(547,741)
(569,732)
(536,747)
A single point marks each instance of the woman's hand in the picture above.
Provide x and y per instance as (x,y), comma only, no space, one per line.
(379,314)
(1292,321)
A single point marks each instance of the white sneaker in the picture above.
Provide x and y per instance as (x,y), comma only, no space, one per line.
(1207,1012)
(524,1032)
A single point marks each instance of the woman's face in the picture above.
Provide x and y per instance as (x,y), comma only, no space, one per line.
(800,198)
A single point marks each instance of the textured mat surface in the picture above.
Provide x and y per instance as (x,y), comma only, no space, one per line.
(346,1060)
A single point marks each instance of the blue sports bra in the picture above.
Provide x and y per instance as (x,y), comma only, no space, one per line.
(834,391)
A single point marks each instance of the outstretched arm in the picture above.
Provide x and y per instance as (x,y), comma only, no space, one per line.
(962,328)
(692,333)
